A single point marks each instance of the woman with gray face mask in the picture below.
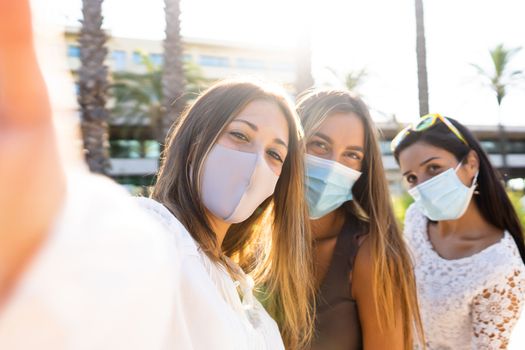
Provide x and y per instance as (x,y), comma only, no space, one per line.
(465,235)
(230,188)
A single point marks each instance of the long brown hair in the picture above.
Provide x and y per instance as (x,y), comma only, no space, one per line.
(273,243)
(394,288)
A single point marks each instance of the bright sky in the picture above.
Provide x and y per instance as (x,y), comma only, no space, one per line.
(378,35)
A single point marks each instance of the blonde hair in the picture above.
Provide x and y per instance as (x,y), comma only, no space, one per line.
(273,244)
(393,280)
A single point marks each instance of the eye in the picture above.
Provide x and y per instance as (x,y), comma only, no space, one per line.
(411,179)
(353,155)
(319,147)
(275,156)
(433,168)
(239,136)
(319,144)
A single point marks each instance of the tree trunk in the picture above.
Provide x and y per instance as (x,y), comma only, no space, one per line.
(172,74)
(303,79)
(503,147)
(92,87)
(422,78)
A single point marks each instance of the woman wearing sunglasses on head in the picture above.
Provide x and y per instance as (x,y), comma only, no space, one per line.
(465,235)
(366,292)
(230,189)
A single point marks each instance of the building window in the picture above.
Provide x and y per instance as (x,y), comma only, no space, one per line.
(119,57)
(125,149)
(214,61)
(283,66)
(151,149)
(73,51)
(134,149)
(156,59)
(516,147)
(137,57)
(250,63)
(490,147)
(385,147)
(187,57)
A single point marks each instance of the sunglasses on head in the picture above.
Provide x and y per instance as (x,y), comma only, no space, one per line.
(424,123)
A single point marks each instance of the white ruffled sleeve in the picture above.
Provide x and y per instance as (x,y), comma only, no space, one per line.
(495,312)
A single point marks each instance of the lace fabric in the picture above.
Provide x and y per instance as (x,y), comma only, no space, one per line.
(468,303)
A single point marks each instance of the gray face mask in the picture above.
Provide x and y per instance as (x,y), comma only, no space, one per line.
(235,183)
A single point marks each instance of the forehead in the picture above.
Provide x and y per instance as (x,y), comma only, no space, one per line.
(267,116)
(343,128)
(413,155)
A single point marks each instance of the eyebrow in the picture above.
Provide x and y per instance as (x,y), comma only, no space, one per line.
(255,128)
(323,136)
(356,148)
(280,142)
(251,125)
(328,139)
(423,163)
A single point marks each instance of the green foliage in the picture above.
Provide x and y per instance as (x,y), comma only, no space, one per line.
(136,98)
(499,77)
(520,209)
(355,79)
(401,203)
(352,80)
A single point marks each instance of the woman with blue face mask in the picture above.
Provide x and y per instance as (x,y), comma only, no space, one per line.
(366,297)
(465,236)
(230,189)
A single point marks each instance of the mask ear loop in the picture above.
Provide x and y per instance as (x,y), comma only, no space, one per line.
(474,180)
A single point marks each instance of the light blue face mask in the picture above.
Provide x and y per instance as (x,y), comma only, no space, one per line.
(328,185)
(443,197)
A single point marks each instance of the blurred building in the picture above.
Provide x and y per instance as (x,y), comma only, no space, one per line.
(134,160)
(217,59)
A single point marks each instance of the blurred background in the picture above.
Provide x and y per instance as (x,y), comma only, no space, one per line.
(136,65)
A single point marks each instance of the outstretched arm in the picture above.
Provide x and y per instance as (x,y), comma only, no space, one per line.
(32,183)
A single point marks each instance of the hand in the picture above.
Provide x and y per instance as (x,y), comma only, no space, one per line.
(32,183)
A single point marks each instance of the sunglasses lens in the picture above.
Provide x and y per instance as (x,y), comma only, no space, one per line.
(425,123)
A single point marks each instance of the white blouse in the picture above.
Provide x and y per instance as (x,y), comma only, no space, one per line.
(106,278)
(217,312)
(468,303)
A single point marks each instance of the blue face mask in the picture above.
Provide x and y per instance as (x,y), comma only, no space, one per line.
(329,185)
(443,197)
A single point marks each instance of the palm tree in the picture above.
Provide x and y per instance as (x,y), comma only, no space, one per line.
(172,75)
(137,98)
(92,87)
(352,80)
(422,76)
(500,78)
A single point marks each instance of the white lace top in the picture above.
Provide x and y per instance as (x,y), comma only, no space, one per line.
(467,303)
(217,312)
